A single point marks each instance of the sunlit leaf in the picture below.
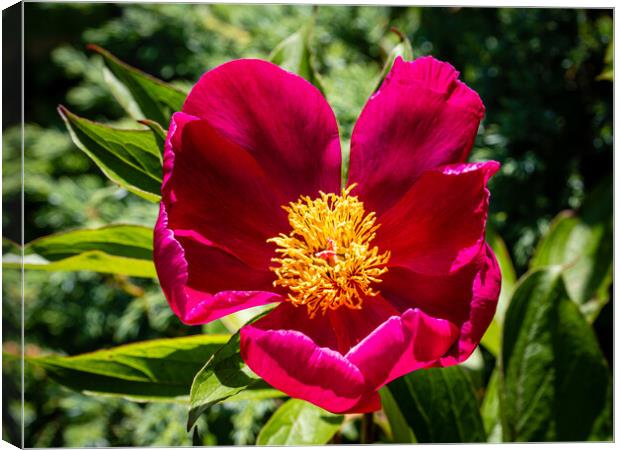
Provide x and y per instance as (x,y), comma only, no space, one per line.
(490,409)
(439,405)
(295,54)
(555,381)
(158,370)
(119,249)
(582,245)
(223,377)
(297,422)
(158,131)
(143,96)
(130,158)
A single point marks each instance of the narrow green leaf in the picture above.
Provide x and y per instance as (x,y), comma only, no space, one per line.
(492,338)
(490,409)
(158,131)
(297,422)
(120,249)
(158,370)
(150,98)
(439,405)
(402,49)
(401,433)
(130,158)
(225,376)
(582,245)
(555,378)
(295,54)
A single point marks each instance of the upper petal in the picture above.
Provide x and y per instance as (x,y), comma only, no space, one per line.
(278,117)
(438,226)
(216,191)
(421,117)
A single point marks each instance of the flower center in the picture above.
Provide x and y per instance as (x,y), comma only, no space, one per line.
(327,260)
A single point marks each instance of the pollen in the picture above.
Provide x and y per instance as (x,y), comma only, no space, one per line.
(327,260)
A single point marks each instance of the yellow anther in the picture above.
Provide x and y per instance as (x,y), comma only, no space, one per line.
(326,261)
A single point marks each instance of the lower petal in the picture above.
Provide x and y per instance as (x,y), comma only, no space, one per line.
(467,298)
(486,288)
(292,362)
(401,345)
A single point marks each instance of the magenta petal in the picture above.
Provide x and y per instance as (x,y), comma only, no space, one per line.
(351,326)
(292,362)
(184,288)
(401,345)
(421,117)
(486,288)
(467,298)
(216,191)
(438,226)
(278,117)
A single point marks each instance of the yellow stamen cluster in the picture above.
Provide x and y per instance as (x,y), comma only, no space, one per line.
(326,261)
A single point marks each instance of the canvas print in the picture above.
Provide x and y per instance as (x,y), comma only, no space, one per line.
(307,225)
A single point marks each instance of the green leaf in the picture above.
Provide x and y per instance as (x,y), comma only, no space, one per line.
(225,376)
(555,378)
(582,245)
(130,158)
(491,409)
(492,337)
(142,96)
(295,54)
(158,370)
(119,249)
(439,405)
(297,422)
(158,131)
(401,433)
(402,49)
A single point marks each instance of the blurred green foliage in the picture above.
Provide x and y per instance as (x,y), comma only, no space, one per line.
(544,75)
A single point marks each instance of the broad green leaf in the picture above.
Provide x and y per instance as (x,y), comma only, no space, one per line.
(491,409)
(158,370)
(297,422)
(402,49)
(142,96)
(130,158)
(439,405)
(295,55)
(401,433)
(119,249)
(582,245)
(223,377)
(492,338)
(555,378)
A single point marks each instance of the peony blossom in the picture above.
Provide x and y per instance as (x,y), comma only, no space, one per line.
(385,276)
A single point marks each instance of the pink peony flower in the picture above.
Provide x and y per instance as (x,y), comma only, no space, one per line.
(387,276)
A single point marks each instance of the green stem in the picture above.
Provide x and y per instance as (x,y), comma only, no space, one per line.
(368,429)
